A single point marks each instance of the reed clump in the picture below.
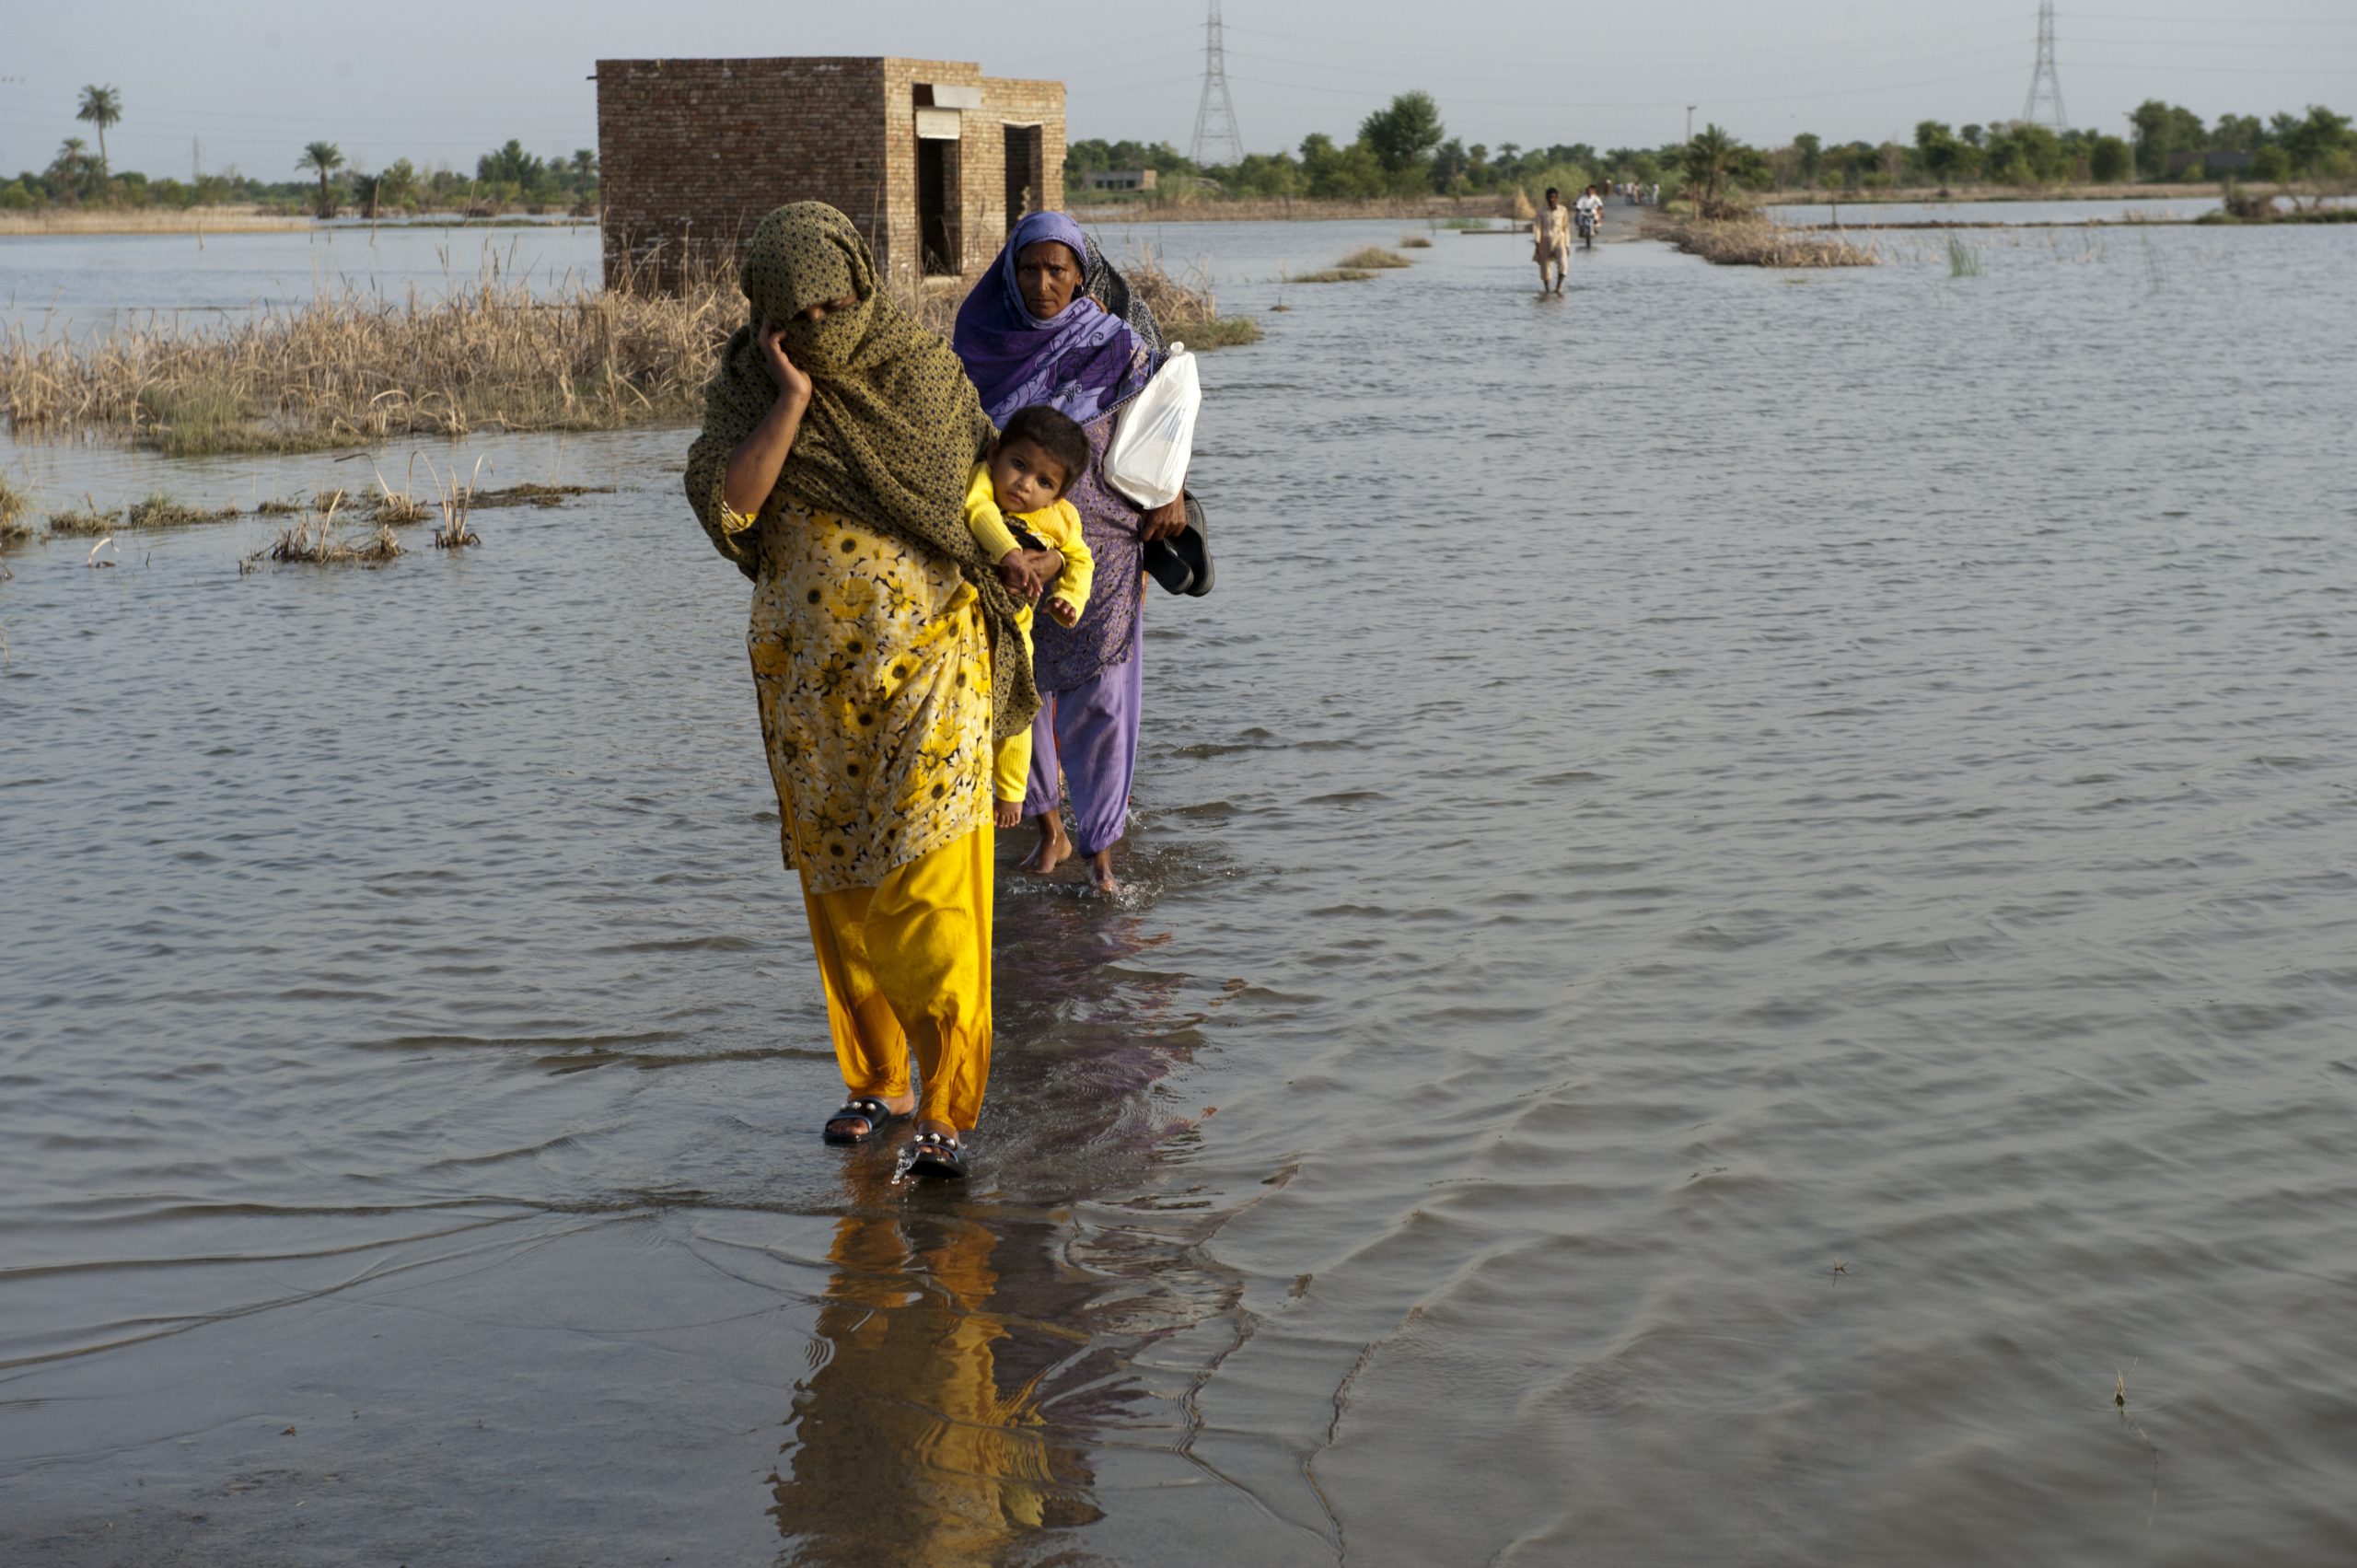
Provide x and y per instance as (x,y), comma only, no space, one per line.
(1185,308)
(312,540)
(89,522)
(363,367)
(1331,275)
(1373,259)
(531,495)
(1963,261)
(14,508)
(1415,242)
(1751,240)
(454,498)
(162,511)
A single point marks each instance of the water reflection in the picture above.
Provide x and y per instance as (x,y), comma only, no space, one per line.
(921,1435)
(973,1347)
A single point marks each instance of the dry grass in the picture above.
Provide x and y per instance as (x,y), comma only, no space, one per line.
(15,506)
(399,508)
(1373,259)
(1751,240)
(312,540)
(277,506)
(532,495)
(162,511)
(87,522)
(1415,242)
(149,220)
(1330,275)
(1254,209)
(456,501)
(1186,309)
(362,367)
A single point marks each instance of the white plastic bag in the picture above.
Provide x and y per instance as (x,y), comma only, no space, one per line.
(1155,435)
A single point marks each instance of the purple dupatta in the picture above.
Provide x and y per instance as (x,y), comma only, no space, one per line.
(1081,362)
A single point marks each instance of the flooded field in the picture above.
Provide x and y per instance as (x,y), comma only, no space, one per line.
(1740,952)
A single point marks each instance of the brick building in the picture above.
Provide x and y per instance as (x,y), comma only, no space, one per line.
(931,159)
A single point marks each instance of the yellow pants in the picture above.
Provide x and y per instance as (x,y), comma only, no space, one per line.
(907,965)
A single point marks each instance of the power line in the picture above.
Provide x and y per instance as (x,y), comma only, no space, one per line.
(2044,105)
(1215,115)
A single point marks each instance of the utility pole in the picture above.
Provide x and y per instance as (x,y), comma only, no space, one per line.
(1689,119)
(1215,114)
(2045,86)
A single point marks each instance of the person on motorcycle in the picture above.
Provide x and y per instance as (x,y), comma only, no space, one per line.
(1589,212)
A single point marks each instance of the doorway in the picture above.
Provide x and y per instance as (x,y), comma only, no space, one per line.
(1026,170)
(939,241)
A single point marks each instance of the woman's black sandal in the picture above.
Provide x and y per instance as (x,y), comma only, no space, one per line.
(937,1155)
(861,1108)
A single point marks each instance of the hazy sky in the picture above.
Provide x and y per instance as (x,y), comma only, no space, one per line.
(434,81)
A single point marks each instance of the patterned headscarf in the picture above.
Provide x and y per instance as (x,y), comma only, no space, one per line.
(892,431)
(1084,360)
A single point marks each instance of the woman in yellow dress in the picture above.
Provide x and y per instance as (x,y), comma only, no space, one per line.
(837,436)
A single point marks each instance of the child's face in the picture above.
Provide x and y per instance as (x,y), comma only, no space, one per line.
(1023,478)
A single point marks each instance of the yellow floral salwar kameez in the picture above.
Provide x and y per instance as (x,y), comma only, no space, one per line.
(873,676)
(873,618)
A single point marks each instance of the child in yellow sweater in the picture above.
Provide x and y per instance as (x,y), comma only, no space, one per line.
(1016,503)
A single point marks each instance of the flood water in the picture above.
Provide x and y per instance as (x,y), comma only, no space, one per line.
(1740,952)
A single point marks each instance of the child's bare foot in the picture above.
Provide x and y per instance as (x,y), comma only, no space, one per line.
(1100,872)
(1054,846)
(1008,814)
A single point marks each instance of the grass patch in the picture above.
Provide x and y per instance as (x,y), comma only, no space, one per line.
(456,500)
(1373,259)
(311,541)
(359,368)
(14,508)
(1964,261)
(1415,242)
(1185,308)
(83,523)
(532,495)
(162,511)
(1749,239)
(277,506)
(1331,275)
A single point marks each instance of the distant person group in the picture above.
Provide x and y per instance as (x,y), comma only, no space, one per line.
(904,507)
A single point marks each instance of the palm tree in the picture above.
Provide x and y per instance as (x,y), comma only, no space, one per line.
(71,168)
(1711,161)
(365,190)
(101,106)
(327,158)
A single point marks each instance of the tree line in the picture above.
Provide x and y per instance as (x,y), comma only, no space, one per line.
(507,178)
(1403,150)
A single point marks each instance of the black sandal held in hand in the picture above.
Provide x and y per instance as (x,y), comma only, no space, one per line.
(937,1155)
(861,1108)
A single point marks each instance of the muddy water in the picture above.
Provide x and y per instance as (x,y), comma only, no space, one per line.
(1757,869)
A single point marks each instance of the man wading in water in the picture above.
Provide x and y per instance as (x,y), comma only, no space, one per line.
(1552,229)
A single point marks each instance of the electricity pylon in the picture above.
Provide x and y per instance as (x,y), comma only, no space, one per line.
(2044,105)
(1217,142)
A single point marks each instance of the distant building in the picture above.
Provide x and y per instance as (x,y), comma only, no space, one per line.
(932,159)
(1121,178)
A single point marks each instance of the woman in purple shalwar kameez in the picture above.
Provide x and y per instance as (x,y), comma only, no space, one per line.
(1053,323)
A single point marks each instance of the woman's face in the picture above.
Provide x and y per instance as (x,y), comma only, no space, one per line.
(1047,275)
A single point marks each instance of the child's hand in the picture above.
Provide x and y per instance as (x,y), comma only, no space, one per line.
(1006,814)
(1062,609)
(1043,566)
(1016,575)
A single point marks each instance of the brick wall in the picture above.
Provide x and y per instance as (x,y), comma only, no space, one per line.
(694,152)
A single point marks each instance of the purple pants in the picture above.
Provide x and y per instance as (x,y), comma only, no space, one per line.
(1091,730)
